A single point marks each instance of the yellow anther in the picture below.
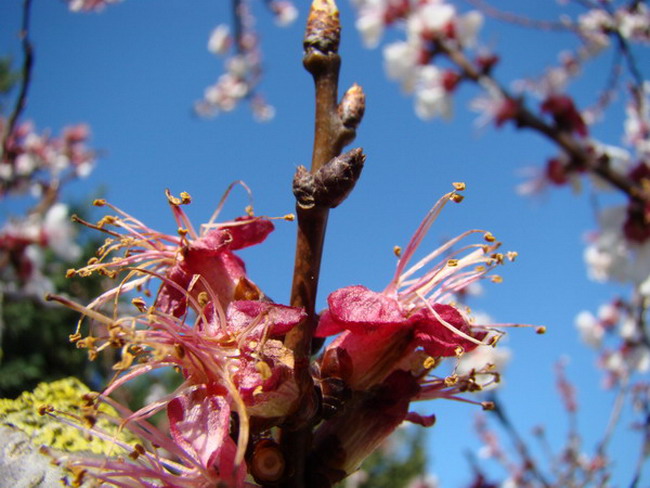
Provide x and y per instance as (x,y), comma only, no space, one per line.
(203,299)
(496,279)
(264,369)
(70,273)
(182,232)
(489,237)
(140,304)
(451,380)
(429,362)
(397,250)
(249,210)
(456,198)
(185,198)
(459,186)
(540,330)
(511,255)
(99,202)
(452,262)
(43,409)
(289,217)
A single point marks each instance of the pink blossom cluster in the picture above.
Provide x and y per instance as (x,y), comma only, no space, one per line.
(196,310)
(38,165)
(32,162)
(23,244)
(570,465)
(618,335)
(427,24)
(89,5)
(243,62)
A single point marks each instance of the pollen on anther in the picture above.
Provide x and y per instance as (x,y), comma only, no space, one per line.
(496,279)
(397,250)
(452,262)
(489,237)
(456,198)
(203,299)
(429,362)
(99,202)
(289,217)
(459,185)
(540,330)
(185,198)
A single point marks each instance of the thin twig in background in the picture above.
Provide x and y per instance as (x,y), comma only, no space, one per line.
(26,75)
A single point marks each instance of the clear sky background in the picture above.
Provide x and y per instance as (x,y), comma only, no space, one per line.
(133,73)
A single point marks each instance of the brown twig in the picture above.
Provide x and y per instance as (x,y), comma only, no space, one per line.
(520,445)
(520,20)
(26,76)
(331,134)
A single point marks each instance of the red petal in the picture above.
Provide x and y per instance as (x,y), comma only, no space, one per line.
(199,422)
(280,318)
(254,231)
(359,310)
(436,339)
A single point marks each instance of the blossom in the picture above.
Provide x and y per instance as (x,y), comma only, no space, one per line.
(410,310)
(208,322)
(32,162)
(220,39)
(612,255)
(189,263)
(433,92)
(23,242)
(89,5)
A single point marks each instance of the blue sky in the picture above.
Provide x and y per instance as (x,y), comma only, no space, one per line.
(133,73)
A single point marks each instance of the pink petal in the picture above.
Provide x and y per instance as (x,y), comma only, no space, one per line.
(359,310)
(436,339)
(279,318)
(199,423)
(253,232)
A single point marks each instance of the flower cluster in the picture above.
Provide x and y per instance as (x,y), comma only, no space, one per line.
(23,243)
(430,25)
(390,343)
(243,63)
(32,162)
(618,334)
(211,323)
(89,5)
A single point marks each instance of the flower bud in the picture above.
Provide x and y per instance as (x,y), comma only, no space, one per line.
(352,106)
(323,31)
(331,184)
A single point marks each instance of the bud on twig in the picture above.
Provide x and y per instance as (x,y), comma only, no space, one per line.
(323,31)
(331,184)
(352,107)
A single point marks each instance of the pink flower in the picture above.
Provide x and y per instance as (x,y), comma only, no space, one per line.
(381,330)
(189,264)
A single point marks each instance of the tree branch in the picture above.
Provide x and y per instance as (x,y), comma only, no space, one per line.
(26,76)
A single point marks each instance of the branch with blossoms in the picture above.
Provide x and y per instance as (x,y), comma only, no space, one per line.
(440,52)
(572,464)
(259,403)
(239,44)
(244,65)
(37,165)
